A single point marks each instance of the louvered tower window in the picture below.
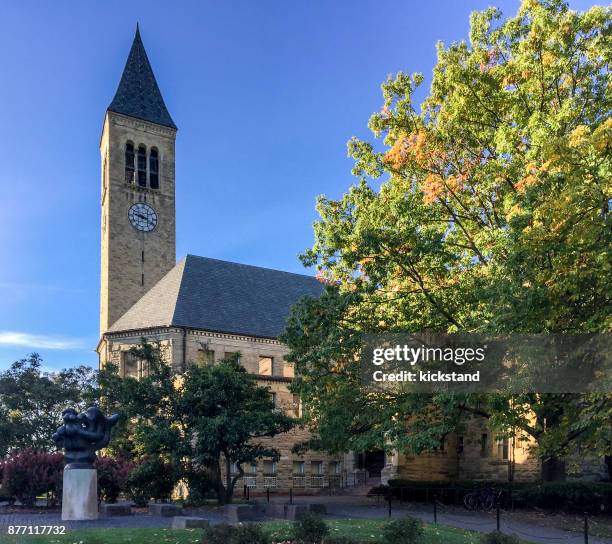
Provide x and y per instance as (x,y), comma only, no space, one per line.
(154,169)
(142,166)
(129,162)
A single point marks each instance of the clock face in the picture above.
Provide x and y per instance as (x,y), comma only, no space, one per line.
(142,217)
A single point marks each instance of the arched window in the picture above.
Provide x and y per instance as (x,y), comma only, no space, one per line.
(129,162)
(153,169)
(142,166)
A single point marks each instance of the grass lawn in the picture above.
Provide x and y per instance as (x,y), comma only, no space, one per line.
(362,530)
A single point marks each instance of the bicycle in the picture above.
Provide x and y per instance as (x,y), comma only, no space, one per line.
(484,499)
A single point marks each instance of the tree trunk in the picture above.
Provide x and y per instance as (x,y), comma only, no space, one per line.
(229,488)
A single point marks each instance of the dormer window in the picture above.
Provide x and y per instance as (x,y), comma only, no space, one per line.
(154,169)
(142,166)
(129,162)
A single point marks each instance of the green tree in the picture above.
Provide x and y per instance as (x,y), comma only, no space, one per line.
(32,401)
(197,423)
(151,430)
(486,210)
(229,417)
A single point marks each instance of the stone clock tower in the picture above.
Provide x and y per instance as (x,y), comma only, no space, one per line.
(138,189)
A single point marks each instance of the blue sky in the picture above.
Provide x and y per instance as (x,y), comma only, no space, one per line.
(265,95)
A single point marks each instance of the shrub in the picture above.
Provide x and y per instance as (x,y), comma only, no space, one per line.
(498,538)
(340,540)
(218,534)
(112,477)
(310,529)
(567,496)
(154,479)
(251,533)
(29,473)
(402,531)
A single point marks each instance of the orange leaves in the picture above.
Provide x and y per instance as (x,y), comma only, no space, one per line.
(433,188)
(530,179)
(397,156)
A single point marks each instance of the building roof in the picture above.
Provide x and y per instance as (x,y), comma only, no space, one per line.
(220,296)
(138,94)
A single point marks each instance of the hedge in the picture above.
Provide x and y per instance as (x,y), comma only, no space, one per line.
(593,497)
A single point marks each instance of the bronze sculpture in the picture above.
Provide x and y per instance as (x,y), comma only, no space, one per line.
(82,434)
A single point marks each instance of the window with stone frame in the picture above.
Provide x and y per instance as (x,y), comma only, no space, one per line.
(266,366)
(503,448)
(154,169)
(141,162)
(460,445)
(232,354)
(129,162)
(296,406)
(335,467)
(130,365)
(484,445)
(316,467)
(270,467)
(205,357)
(299,467)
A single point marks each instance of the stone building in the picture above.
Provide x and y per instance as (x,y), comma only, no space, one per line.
(200,310)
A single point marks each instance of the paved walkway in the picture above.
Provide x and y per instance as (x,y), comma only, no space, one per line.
(340,507)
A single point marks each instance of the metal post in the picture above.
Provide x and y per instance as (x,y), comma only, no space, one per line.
(497,515)
(435,509)
(268,494)
(586,528)
(248,493)
(291,495)
(244,491)
(389,499)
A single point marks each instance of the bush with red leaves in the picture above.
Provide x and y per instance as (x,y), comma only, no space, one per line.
(112,477)
(28,474)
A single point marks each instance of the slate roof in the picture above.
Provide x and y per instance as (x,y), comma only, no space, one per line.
(220,296)
(138,94)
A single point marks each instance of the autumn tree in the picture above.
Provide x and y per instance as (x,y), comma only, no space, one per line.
(487,210)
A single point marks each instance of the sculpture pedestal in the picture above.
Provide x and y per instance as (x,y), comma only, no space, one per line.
(80,494)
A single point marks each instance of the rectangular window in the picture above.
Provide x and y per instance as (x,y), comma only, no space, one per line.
(484,445)
(153,169)
(335,467)
(266,366)
(288,370)
(298,467)
(130,365)
(232,354)
(270,468)
(460,445)
(297,406)
(273,397)
(205,357)
(316,467)
(253,468)
(502,448)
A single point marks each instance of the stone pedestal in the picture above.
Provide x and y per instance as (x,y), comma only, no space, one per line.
(80,494)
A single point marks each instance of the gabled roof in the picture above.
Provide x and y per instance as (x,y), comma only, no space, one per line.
(220,296)
(138,94)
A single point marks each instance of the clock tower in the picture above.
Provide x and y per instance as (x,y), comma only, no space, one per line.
(138,189)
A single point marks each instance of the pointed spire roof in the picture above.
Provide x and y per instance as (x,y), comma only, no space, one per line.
(138,94)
